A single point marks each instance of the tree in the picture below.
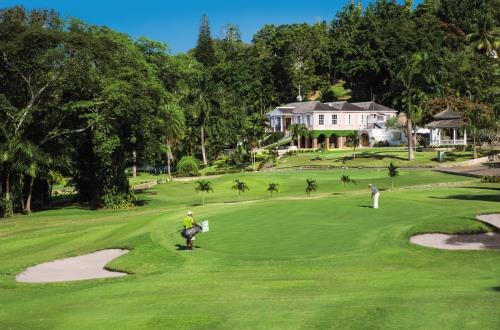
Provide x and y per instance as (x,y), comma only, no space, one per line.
(311,186)
(486,38)
(255,125)
(202,102)
(240,186)
(204,51)
(205,187)
(298,131)
(273,187)
(353,139)
(345,179)
(393,172)
(410,76)
(172,122)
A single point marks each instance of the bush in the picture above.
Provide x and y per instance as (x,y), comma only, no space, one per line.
(381,144)
(490,179)
(188,165)
(114,199)
(6,208)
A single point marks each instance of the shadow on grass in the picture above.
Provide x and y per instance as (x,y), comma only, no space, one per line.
(484,198)
(496,288)
(180,247)
(483,188)
(369,155)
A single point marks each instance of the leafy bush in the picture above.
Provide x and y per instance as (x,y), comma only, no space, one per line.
(188,165)
(490,179)
(113,199)
(6,208)
(381,144)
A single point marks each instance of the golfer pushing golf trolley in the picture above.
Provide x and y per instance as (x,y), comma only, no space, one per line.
(191,228)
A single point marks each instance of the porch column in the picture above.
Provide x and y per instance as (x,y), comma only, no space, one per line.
(315,143)
(431,137)
(454,136)
(465,137)
(281,124)
(327,143)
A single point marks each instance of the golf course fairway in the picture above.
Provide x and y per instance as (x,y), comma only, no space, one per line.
(289,262)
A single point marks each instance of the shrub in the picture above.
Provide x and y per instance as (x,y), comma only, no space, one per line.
(188,165)
(6,208)
(381,144)
(490,179)
(114,199)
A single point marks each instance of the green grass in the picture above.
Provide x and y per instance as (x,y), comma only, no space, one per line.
(379,157)
(327,261)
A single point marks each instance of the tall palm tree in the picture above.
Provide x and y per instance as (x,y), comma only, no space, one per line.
(311,186)
(353,140)
(173,124)
(409,77)
(205,187)
(485,39)
(256,125)
(298,131)
(240,186)
(273,187)
(202,101)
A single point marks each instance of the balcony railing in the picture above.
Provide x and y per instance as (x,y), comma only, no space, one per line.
(456,142)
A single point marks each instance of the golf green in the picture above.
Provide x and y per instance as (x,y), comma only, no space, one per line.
(290,262)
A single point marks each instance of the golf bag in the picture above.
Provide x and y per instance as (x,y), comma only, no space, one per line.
(190,232)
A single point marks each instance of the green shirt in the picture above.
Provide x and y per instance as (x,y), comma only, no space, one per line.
(188,222)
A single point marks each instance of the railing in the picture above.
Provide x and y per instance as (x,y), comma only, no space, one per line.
(456,142)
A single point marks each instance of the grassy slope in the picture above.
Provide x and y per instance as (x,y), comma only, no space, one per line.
(379,157)
(334,262)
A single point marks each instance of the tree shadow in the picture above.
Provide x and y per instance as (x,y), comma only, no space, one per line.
(483,188)
(484,198)
(180,247)
(490,241)
(496,288)
(370,155)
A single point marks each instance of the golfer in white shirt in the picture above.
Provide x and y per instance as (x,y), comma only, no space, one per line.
(375,195)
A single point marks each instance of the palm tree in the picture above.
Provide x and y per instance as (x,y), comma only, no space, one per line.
(345,179)
(173,124)
(273,187)
(256,126)
(205,187)
(486,39)
(240,186)
(353,140)
(409,77)
(393,172)
(202,101)
(298,130)
(311,186)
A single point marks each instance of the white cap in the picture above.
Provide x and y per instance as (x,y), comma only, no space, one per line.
(370,185)
(190,213)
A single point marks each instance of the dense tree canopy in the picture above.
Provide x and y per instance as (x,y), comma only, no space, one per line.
(79,101)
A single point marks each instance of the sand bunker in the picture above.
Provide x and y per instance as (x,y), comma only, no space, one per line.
(85,267)
(483,241)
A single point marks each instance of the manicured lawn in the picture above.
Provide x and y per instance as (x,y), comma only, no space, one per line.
(326,261)
(376,157)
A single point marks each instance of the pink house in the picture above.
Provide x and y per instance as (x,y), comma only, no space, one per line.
(332,122)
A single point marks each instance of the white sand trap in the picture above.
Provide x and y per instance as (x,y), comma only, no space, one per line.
(483,241)
(85,267)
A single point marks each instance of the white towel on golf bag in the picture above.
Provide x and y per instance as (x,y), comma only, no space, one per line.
(204,226)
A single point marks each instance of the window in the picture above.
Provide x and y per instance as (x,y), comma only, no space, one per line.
(349,118)
(334,119)
(362,119)
(308,120)
(396,136)
(298,119)
(321,119)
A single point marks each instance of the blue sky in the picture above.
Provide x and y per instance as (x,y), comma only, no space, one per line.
(176,22)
